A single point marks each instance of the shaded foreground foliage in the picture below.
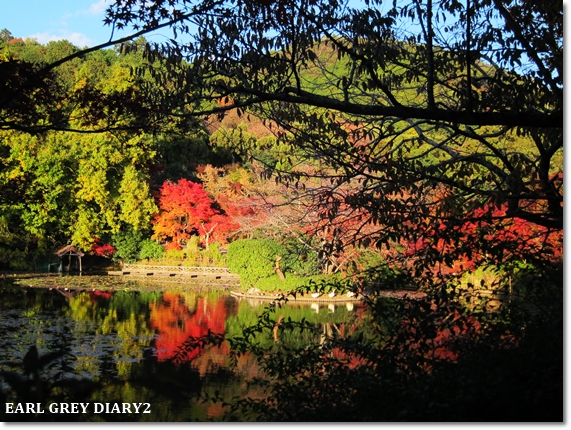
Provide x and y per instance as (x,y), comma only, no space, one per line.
(433,359)
(437,144)
(451,356)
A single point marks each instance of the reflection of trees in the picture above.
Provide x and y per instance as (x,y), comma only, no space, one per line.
(294,325)
(423,359)
(121,314)
(180,329)
(108,337)
(156,378)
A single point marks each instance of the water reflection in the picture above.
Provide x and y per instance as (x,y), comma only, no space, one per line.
(176,318)
(165,348)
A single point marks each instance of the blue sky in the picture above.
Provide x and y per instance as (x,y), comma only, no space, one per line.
(79,21)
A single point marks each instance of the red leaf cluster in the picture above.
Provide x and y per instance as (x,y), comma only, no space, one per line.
(185,208)
(487,232)
(102,249)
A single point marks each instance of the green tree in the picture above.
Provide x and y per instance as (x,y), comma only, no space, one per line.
(254,259)
(128,243)
(33,98)
(151,250)
(5,36)
(59,187)
(79,187)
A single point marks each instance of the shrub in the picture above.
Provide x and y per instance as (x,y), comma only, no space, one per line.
(293,282)
(127,244)
(213,257)
(151,250)
(177,255)
(254,259)
(299,259)
(193,244)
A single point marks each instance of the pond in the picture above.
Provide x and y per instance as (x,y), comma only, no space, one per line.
(168,348)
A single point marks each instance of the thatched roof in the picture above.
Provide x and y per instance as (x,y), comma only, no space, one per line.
(68,250)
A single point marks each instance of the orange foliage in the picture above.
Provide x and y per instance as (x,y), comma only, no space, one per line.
(351,361)
(175,324)
(185,210)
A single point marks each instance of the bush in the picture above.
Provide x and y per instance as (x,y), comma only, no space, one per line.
(193,245)
(151,250)
(254,259)
(213,257)
(175,256)
(191,256)
(300,259)
(128,244)
(293,282)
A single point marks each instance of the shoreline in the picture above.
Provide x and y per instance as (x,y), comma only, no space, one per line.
(104,282)
(397,294)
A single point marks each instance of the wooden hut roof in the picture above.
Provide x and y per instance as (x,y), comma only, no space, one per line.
(68,249)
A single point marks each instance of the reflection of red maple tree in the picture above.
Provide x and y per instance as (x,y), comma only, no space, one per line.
(100,295)
(176,324)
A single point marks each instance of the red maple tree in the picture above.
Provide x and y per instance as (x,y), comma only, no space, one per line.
(102,249)
(485,232)
(185,210)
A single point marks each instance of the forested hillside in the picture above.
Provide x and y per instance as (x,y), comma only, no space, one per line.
(94,179)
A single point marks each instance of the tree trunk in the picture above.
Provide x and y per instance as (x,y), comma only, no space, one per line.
(277,268)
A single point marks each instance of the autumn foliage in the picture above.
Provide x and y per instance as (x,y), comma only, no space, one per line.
(102,249)
(186,210)
(485,233)
(176,324)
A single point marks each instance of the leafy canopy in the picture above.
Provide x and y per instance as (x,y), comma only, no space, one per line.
(416,113)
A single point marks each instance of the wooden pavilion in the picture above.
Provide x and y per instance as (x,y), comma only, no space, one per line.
(69,251)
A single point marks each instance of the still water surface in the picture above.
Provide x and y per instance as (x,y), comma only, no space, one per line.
(129,346)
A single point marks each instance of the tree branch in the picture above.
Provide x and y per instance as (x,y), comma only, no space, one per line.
(513,26)
(508,118)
